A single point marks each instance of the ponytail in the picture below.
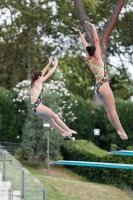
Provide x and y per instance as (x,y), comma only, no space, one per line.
(34,76)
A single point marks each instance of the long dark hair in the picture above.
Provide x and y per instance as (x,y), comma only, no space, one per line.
(34,76)
(91,49)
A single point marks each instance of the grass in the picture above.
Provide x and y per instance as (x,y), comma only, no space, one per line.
(62,184)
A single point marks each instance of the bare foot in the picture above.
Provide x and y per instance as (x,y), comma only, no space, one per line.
(72,132)
(67,134)
(123,136)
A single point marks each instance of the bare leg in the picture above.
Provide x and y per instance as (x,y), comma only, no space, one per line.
(54,120)
(107,99)
(54,125)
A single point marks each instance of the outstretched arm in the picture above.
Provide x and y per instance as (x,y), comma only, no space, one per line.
(96,40)
(47,66)
(50,72)
(83,40)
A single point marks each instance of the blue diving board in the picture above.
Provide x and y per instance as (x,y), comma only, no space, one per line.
(122,152)
(93,164)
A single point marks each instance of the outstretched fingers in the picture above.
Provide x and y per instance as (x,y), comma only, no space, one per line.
(123,136)
(87,22)
(76,29)
(69,133)
(50,59)
(56,62)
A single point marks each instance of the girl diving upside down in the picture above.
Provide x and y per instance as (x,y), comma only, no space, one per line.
(103,90)
(37,78)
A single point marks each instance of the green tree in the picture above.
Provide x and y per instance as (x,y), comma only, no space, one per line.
(104,14)
(121,86)
(23,36)
(31,30)
(77,76)
(85,117)
(10,122)
(112,10)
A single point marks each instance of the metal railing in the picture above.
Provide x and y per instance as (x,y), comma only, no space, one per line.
(11,147)
(21,179)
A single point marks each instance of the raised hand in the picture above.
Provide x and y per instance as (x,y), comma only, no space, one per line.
(50,59)
(56,62)
(88,23)
(76,29)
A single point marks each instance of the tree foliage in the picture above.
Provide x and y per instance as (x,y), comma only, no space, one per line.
(22,39)
(10,121)
(31,30)
(112,9)
(77,76)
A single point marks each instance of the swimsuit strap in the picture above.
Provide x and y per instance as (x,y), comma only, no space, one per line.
(92,65)
(35,88)
(101,72)
(37,93)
